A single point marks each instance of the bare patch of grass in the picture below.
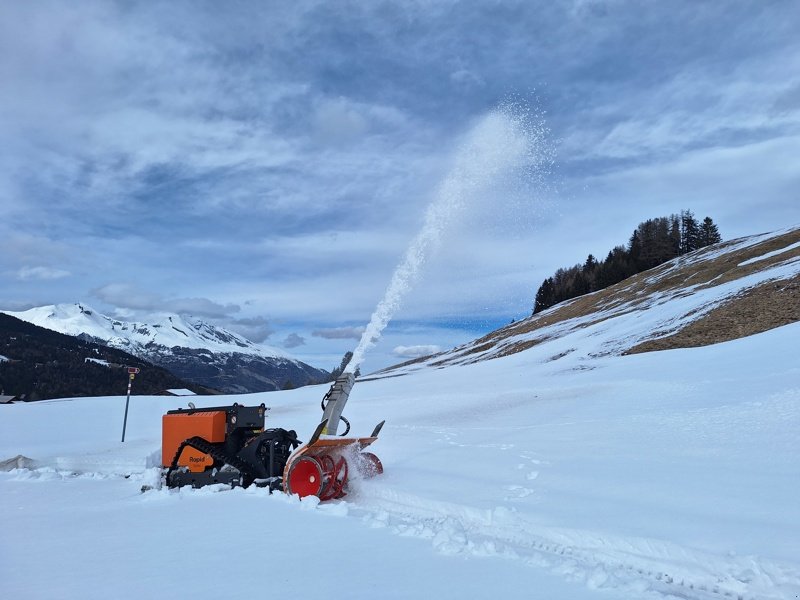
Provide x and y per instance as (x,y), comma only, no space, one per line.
(770,305)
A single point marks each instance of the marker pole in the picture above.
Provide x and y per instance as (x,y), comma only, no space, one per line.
(132,373)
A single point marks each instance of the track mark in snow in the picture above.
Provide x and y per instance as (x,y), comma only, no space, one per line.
(517,493)
(635,565)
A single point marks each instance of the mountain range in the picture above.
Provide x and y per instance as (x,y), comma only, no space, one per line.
(189,348)
(40,364)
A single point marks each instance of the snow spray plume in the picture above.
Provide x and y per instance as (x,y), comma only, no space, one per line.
(499,144)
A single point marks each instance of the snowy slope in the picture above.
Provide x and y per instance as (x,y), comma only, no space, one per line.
(659,475)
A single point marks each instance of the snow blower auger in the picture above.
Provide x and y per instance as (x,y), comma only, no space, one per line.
(321,467)
(229,445)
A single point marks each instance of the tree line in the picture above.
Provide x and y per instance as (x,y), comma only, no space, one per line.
(652,243)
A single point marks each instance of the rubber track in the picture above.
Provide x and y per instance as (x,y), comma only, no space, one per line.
(216,453)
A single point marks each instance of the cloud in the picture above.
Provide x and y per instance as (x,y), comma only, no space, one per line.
(129,300)
(123,295)
(293,341)
(339,333)
(698,105)
(43,273)
(201,307)
(127,296)
(256,329)
(339,121)
(467,78)
(416,351)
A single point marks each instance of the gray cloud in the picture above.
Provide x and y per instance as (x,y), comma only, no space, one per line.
(127,296)
(202,307)
(339,333)
(338,121)
(256,329)
(416,351)
(44,273)
(123,295)
(293,341)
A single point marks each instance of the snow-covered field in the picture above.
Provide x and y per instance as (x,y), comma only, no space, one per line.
(662,475)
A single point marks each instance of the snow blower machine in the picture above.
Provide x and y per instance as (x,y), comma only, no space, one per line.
(229,445)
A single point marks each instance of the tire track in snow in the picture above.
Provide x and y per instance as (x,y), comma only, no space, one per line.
(634,565)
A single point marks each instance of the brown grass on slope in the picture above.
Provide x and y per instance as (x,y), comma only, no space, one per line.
(773,304)
(761,308)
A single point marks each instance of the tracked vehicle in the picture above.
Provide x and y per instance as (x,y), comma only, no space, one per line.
(229,445)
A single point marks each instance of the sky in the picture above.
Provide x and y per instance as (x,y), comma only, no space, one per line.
(264,165)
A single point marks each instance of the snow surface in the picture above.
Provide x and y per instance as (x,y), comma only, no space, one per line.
(181,392)
(771,254)
(97,361)
(660,475)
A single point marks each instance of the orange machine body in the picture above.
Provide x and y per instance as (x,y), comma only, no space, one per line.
(210,425)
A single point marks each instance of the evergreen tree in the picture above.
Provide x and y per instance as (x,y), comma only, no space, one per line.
(675,236)
(348,356)
(709,233)
(662,251)
(616,267)
(690,232)
(337,371)
(635,247)
(648,245)
(545,296)
(590,273)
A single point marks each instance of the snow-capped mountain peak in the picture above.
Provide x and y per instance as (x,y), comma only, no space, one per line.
(166,330)
(190,348)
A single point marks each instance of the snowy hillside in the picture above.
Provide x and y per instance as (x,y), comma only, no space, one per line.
(667,474)
(718,293)
(190,348)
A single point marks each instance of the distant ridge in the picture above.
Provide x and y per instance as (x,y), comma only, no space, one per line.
(41,364)
(190,348)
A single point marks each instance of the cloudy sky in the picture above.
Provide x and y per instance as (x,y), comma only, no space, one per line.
(264,165)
